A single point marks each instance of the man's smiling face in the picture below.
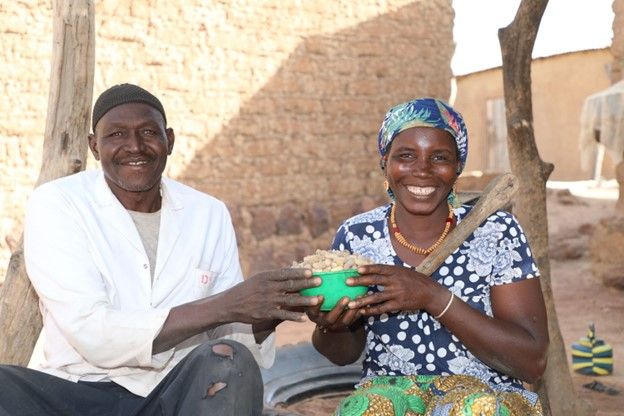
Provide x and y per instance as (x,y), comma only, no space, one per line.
(132,144)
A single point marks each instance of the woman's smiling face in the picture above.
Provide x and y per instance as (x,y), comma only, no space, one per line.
(421,168)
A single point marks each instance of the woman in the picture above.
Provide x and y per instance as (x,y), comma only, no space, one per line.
(468,336)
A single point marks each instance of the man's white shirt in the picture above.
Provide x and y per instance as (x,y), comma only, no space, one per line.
(101,311)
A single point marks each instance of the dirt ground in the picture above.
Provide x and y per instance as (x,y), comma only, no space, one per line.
(579,297)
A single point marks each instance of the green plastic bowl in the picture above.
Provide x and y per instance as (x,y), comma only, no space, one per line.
(333,288)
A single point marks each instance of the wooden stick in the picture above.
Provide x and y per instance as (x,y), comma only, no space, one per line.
(64,153)
(495,196)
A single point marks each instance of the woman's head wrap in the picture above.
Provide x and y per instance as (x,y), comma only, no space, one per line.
(424,112)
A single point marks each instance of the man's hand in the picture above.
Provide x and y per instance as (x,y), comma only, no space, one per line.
(263,300)
(273,295)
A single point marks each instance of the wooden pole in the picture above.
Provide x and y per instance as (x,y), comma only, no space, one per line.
(64,153)
(495,196)
(555,388)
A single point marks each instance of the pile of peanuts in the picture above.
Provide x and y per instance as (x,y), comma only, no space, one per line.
(332,261)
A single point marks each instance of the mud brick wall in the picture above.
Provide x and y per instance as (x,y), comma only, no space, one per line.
(275,103)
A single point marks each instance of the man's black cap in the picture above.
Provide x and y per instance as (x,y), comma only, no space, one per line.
(123,94)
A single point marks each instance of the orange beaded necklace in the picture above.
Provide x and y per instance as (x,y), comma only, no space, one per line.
(403,241)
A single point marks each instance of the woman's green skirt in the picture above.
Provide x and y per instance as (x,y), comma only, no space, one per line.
(455,395)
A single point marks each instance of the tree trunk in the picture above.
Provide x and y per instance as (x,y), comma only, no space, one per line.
(64,153)
(555,388)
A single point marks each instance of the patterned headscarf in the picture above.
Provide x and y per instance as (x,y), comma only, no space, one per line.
(424,112)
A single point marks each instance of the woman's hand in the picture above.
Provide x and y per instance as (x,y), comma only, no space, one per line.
(404,289)
(339,319)
(339,333)
(514,340)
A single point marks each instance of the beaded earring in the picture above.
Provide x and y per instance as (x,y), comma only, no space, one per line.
(388,190)
(453,199)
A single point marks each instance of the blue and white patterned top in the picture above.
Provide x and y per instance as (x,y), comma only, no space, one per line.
(409,343)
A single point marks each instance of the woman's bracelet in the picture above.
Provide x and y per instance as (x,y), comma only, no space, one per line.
(448,305)
(321,329)
(324,330)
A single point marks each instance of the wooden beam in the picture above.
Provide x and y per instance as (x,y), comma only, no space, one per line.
(495,196)
(64,153)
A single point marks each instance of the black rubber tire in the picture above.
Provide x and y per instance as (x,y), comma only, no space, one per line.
(300,372)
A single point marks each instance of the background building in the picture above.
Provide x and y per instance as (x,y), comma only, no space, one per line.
(275,104)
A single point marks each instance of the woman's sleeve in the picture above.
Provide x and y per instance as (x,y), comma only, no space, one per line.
(340,239)
(513,260)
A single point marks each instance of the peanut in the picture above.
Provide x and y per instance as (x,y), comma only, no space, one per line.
(331,260)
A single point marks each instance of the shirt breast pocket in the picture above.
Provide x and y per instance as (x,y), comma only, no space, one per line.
(204,281)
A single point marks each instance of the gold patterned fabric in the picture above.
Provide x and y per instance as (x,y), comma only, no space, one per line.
(454,395)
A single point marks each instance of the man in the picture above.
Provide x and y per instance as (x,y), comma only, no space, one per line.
(145,311)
